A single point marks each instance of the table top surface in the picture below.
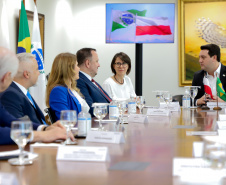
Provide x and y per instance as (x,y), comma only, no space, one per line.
(156,143)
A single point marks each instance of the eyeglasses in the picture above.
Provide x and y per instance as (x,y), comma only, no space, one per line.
(118,64)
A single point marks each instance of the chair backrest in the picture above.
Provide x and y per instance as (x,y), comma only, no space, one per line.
(47,76)
(50,114)
(178,98)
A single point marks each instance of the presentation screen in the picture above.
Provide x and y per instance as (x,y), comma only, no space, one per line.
(140,23)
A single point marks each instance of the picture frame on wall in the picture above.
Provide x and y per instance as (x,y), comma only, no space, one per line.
(200,22)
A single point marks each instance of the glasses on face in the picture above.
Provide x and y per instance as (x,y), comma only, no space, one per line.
(118,64)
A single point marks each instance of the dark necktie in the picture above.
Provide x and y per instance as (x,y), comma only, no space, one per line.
(32,102)
(109,99)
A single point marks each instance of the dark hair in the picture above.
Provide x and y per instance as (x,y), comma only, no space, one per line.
(84,54)
(213,50)
(125,58)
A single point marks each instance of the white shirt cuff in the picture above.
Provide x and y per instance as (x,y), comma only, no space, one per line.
(40,127)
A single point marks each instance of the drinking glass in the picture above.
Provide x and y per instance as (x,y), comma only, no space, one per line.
(20,133)
(122,106)
(193,93)
(167,98)
(68,119)
(100,111)
(140,100)
(215,153)
(159,95)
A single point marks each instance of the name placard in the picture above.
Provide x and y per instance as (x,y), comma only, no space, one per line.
(188,168)
(222,117)
(198,149)
(211,105)
(80,153)
(137,118)
(8,178)
(158,112)
(221,125)
(222,133)
(173,106)
(105,137)
(201,133)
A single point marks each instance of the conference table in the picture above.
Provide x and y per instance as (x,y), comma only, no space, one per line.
(154,143)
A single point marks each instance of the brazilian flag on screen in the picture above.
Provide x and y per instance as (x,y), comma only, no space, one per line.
(24,40)
(220,90)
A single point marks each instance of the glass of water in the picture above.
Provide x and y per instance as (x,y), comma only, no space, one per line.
(21,132)
(122,107)
(215,153)
(68,119)
(140,100)
(167,98)
(100,111)
(193,93)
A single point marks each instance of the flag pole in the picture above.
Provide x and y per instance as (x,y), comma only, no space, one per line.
(217,108)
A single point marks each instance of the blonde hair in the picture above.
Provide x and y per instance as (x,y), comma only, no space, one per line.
(62,73)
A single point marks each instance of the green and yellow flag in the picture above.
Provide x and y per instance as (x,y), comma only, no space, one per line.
(24,40)
(220,90)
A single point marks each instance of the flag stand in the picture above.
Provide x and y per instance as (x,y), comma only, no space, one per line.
(217,108)
(205,107)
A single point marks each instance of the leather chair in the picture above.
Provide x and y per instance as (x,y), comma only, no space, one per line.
(177,98)
(50,114)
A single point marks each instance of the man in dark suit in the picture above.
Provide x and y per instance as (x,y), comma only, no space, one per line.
(8,69)
(88,63)
(209,59)
(15,99)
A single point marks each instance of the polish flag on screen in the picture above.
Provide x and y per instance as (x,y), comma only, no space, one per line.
(207,87)
(152,26)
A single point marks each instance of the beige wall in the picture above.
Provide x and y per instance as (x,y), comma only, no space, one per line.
(68,28)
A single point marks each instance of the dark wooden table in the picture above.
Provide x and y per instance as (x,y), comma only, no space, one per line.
(156,142)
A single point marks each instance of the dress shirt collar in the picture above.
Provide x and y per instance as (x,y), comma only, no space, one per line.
(217,72)
(89,77)
(22,88)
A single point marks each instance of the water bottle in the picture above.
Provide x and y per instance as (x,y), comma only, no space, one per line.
(132,106)
(186,100)
(113,110)
(84,122)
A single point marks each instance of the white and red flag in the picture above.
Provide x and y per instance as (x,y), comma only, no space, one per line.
(152,26)
(207,87)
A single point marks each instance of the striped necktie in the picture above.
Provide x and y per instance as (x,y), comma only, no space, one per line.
(109,99)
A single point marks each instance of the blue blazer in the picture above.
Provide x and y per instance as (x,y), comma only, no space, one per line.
(5,125)
(17,104)
(63,99)
(91,92)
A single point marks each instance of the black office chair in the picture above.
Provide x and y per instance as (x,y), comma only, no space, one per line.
(50,114)
(177,98)
(47,76)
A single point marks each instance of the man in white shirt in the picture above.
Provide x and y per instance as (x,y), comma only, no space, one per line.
(209,59)
(16,99)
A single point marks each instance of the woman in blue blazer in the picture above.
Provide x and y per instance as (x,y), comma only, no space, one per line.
(61,91)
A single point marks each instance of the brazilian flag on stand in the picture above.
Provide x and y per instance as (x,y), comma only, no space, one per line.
(220,90)
(24,40)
